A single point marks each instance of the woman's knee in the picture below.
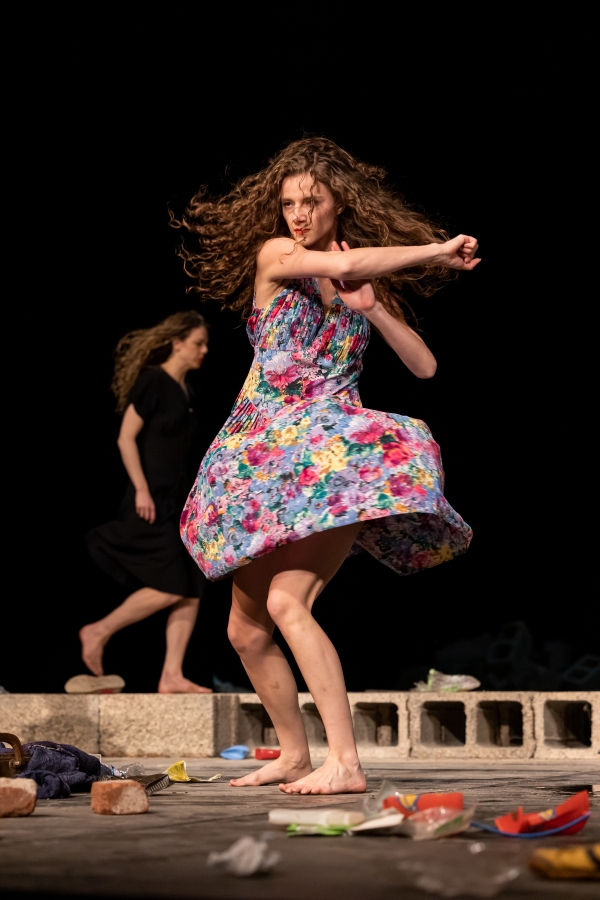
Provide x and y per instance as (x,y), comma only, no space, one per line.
(285,609)
(247,639)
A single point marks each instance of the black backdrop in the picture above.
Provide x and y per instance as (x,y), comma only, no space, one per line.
(101,261)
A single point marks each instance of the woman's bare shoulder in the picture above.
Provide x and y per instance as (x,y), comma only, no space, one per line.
(273,248)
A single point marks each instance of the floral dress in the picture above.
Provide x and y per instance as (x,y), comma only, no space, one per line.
(299,454)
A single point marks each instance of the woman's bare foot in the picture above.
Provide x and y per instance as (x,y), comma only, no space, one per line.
(279,770)
(93,641)
(333,777)
(172,684)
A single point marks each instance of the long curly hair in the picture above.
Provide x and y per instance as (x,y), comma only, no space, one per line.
(225,235)
(149,347)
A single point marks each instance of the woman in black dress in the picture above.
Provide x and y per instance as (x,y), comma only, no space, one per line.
(142,548)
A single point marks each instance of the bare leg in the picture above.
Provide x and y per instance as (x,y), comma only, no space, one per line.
(298,573)
(251,633)
(180,625)
(137,606)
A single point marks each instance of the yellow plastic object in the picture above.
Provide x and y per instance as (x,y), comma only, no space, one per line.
(579,861)
(177,772)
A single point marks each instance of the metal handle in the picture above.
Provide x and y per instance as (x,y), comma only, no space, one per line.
(15,743)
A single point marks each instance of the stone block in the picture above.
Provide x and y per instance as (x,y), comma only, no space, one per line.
(119,798)
(567,725)
(67,719)
(17,797)
(177,725)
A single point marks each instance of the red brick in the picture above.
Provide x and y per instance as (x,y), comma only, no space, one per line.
(17,796)
(119,798)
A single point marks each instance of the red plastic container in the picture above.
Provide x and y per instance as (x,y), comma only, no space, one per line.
(266,753)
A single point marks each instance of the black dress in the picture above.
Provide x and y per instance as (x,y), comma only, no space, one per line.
(131,550)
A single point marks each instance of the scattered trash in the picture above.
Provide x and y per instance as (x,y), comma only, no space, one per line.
(266,753)
(437,822)
(119,798)
(58,769)
(95,684)
(578,861)
(178,773)
(17,797)
(152,784)
(132,769)
(246,857)
(333,816)
(567,818)
(238,751)
(387,823)
(437,681)
(460,869)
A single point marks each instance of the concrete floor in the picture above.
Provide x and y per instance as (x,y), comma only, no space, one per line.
(64,849)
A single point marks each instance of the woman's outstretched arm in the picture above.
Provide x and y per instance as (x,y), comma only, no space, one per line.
(131,426)
(412,349)
(282,258)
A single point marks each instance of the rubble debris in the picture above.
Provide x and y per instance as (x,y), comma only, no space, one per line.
(119,798)
(17,797)
(95,684)
(245,857)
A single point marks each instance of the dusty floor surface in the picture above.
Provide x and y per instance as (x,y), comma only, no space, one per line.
(65,849)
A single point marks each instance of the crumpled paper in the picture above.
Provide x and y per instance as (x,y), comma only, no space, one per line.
(245,857)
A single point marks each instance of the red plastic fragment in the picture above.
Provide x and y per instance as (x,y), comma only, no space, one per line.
(519,822)
(266,753)
(408,804)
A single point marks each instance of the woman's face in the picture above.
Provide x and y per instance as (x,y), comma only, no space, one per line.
(316,227)
(193,348)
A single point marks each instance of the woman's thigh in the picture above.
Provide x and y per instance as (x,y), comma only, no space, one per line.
(300,569)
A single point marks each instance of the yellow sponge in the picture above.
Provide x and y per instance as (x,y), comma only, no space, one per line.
(579,861)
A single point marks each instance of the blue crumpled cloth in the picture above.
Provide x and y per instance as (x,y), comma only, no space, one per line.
(60,769)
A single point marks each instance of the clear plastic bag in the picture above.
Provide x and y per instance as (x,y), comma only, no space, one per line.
(460,869)
(437,822)
(245,857)
(437,681)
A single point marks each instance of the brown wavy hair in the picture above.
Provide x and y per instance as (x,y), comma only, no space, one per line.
(225,235)
(149,347)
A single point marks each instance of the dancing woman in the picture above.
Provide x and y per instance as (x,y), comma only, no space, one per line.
(301,471)
(142,548)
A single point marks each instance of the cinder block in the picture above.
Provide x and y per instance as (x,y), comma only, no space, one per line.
(158,725)
(65,718)
(567,724)
(473,725)
(500,725)
(438,725)
(380,724)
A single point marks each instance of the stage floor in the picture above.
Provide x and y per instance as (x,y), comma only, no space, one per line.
(64,849)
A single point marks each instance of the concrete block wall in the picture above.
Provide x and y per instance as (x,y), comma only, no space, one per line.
(387,724)
(567,724)
(380,724)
